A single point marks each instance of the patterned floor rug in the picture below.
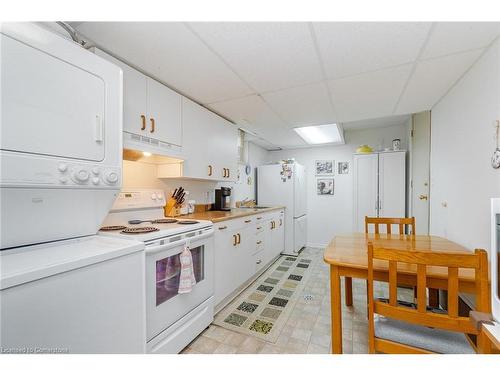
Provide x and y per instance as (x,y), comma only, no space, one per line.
(263,308)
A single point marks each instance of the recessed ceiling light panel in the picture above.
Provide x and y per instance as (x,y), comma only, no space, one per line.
(321,134)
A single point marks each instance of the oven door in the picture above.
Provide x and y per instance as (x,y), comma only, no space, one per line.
(164,304)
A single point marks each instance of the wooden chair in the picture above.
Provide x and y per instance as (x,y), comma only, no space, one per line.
(417,328)
(401,222)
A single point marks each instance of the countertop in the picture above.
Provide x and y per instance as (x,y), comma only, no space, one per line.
(218,216)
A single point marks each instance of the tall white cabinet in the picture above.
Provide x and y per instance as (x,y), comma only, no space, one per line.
(379,186)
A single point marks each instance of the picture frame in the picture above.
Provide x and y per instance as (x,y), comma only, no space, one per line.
(325,186)
(343,167)
(325,167)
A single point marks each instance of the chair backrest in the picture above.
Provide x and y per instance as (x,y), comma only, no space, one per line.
(421,259)
(388,222)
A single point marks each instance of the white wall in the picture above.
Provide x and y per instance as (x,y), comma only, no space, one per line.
(143,175)
(461,147)
(331,215)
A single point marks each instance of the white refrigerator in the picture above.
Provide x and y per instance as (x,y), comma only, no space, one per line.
(285,185)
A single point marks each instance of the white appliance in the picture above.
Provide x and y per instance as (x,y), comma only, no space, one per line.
(284,184)
(379,186)
(173,319)
(61,144)
(82,295)
(495,258)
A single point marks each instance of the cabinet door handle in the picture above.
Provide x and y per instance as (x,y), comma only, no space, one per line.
(272,224)
(281,222)
(209,170)
(228,172)
(235,240)
(143,118)
(239,238)
(225,172)
(259,228)
(152,125)
(248,221)
(259,218)
(222,228)
(259,261)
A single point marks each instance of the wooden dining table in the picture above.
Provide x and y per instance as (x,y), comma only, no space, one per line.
(347,256)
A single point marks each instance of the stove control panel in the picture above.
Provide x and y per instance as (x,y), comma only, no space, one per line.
(139,198)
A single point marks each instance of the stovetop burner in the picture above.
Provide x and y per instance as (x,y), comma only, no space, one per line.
(186,222)
(164,221)
(113,227)
(139,230)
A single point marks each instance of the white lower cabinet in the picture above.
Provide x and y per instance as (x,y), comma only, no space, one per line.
(243,248)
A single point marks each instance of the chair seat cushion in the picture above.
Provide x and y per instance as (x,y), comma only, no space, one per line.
(432,339)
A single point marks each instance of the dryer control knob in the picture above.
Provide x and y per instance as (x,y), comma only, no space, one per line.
(62,167)
(80,176)
(111,177)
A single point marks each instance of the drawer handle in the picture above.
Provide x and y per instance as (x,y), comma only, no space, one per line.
(152,125)
(259,218)
(248,221)
(222,228)
(259,228)
(259,242)
(209,170)
(143,118)
(259,261)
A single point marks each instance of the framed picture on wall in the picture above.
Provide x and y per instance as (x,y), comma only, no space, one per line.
(325,167)
(325,186)
(343,167)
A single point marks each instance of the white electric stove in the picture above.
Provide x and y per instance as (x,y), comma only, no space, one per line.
(173,320)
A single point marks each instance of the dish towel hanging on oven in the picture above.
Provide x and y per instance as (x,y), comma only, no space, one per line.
(187,279)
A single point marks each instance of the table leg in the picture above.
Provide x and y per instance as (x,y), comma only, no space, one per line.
(336,306)
(348,291)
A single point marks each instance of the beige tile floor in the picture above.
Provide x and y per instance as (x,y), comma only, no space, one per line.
(307,330)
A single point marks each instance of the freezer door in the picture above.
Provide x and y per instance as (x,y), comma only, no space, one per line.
(300,233)
(300,196)
(272,189)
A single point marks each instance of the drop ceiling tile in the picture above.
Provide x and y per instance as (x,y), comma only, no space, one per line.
(253,113)
(304,105)
(380,122)
(452,37)
(432,79)
(268,55)
(170,52)
(369,95)
(349,48)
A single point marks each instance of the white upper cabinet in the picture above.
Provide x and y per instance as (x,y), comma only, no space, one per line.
(164,113)
(210,145)
(150,109)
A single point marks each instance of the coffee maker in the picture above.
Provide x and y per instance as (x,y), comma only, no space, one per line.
(222,199)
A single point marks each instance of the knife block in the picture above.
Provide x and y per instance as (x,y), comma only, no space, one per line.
(172,209)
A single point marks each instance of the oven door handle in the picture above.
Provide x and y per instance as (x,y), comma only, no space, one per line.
(168,246)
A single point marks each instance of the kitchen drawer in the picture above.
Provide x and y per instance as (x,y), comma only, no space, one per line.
(259,260)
